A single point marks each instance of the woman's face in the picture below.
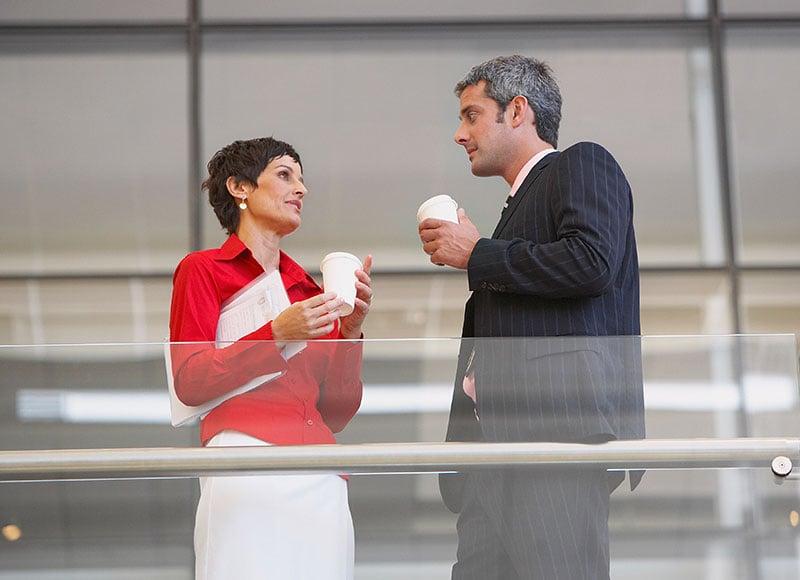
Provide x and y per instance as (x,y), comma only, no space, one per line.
(276,203)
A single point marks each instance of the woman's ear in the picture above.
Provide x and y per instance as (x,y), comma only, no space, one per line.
(235,188)
(238,190)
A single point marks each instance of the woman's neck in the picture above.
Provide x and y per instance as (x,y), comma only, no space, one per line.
(263,245)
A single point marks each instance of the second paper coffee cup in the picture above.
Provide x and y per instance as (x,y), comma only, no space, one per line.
(338,275)
(441,207)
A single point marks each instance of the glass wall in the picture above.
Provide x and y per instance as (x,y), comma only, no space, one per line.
(698,520)
(94,152)
(763,127)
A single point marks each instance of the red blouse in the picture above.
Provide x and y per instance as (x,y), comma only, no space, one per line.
(320,388)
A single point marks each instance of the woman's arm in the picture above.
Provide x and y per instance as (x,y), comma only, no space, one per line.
(341,389)
(203,372)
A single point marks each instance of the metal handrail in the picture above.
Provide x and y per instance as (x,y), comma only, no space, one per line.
(180,462)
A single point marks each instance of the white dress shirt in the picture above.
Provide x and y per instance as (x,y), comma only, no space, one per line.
(526,169)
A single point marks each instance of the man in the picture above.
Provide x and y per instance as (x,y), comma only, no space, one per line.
(561,263)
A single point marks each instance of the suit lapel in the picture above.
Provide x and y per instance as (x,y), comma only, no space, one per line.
(523,190)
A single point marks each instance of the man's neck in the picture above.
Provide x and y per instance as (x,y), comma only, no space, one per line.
(526,169)
(525,153)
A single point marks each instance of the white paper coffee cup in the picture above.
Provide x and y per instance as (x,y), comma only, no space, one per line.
(339,275)
(441,207)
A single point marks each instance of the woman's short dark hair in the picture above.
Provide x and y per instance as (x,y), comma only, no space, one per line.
(244,161)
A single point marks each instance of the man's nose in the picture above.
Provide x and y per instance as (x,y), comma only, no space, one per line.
(461,136)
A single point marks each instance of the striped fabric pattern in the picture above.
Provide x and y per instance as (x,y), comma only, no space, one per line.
(561,269)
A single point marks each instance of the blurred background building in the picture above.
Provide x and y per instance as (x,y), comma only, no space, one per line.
(111,109)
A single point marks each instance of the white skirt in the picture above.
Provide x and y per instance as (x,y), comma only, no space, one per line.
(272,526)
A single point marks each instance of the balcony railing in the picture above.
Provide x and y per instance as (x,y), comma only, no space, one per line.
(779,455)
(96,483)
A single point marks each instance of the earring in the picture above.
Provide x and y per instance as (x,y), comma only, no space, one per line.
(243,204)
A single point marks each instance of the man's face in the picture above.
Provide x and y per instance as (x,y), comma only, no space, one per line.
(486,140)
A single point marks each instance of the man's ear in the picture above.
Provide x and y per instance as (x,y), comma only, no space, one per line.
(521,111)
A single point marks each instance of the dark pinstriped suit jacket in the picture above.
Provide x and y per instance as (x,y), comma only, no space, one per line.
(561,263)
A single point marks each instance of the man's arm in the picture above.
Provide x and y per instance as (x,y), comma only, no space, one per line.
(590,213)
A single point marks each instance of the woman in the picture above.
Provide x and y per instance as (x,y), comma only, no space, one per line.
(272,526)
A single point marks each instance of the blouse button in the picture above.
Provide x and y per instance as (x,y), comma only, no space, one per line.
(310,422)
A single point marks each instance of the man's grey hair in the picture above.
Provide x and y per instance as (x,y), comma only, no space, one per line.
(509,76)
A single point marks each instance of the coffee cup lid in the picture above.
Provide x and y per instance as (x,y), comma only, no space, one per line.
(339,256)
(433,201)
